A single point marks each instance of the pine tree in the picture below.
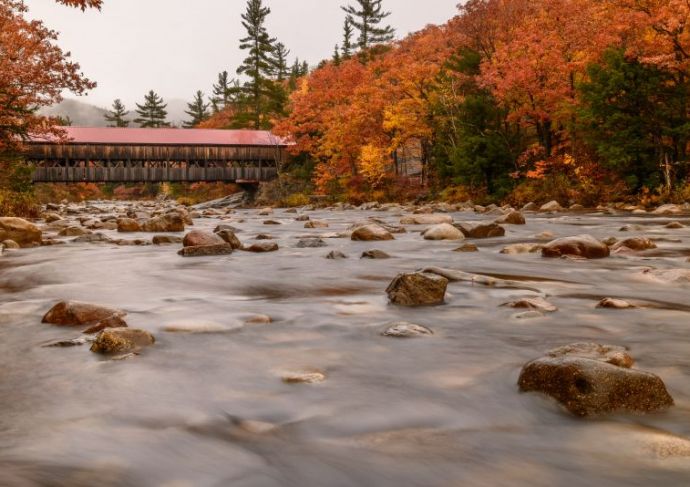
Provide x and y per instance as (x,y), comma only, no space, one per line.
(116,116)
(280,55)
(152,113)
(224,92)
(197,109)
(258,66)
(304,69)
(348,31)
(367,19)
(336,55)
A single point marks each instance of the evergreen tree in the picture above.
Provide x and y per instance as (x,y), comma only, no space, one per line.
(116,116)
(304,69)
(348,32)
(197,110)
(258,66)
(367,18)
(224,92)
(336,55)
(280,61)
(152,113)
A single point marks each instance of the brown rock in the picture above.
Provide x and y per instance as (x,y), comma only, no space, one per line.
(316,224)
(467,248)
(198,238)
(442,231)
(166,240)
(229,237)
(512,218)
(591,379)
(126,225)
(613,303)
(406,330)
(261,247)
(375,254)
(371,232)
(482,230)
(206,250)
(579,246)
(170,222)
(73,232)
(428,219)
(121,340)
(417,289)
(73,313)
(20,231)
(635,243)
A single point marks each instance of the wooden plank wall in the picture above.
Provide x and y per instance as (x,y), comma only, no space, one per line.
(139,174)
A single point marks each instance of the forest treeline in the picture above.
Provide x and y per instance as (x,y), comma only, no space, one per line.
(577,100)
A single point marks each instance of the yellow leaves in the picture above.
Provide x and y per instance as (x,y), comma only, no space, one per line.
(374,163)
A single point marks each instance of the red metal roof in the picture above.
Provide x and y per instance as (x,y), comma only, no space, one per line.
(167,136)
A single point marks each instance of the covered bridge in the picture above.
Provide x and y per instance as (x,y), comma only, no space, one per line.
(136,155)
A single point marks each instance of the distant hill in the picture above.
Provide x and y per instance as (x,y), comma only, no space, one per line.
(85,114)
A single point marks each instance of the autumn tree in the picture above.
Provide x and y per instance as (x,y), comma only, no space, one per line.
(116,115)
(152,113)
(367,17)
(197,110)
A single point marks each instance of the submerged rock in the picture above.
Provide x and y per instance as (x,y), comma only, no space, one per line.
(20,231)
(635,243)
(426,219)
(614,303)
(668,210)
(468,247)
(417,289)
(315,224)
(521,248)
(74,313)
(206,250)
(538,303)
(260,247)
(406,330)
(166,240)
(667,276)
(371,232)
(579,246)
(442,231)
(336,255)
(10,245)
(592,379)
(309,376)
(121,340)
(311,243)
(674,225)
(375,254)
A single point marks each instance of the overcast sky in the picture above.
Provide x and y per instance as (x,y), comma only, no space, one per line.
(178,46)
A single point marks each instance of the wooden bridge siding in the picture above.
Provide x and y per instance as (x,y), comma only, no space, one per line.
(151,174)
(182,153)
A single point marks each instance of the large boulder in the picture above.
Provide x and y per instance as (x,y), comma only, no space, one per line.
(126,225)
(428,219)
(371,232)
(578,246)
(417,289)
(198,238)
(19,230)
(75,313)
(170,222)
(481,230)
(514,217)
(121,340)
(442,231)
(590,379)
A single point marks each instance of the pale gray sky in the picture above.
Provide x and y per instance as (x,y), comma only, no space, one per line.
(178,46)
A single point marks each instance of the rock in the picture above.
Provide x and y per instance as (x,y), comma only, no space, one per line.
(371,232)
(428,219)
(198,238)
(336,255)
(615,304)
(531,206)
(635,243)
(310,376)
(406,330)
(91,238)
(551,206)
(482,230)
(73,313)
(442,231)
(170,222)
(591,379)
(631,228)
(674,225)
(521,248)
(668,210)
(196,327)
(121,340)
(259,320)
(545,236)
(260,247)
(528,315)
(73,232)
(224,227)
(468,247)
(127,225)
(302,218)
(10,245)
(417,289)
(52,217)
(229,237)
(512,218)
(206,250)
(538,303)
(20,231)
(668,276)
(375,254)
(264,236)
(579,246)
(74,342)
(311,243)
(266,212)
(272,222)
(576,207)
(315,224)
(166,240)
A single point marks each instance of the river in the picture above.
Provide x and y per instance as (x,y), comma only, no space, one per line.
(210,409)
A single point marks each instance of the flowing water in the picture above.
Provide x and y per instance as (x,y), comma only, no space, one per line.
(210,409)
